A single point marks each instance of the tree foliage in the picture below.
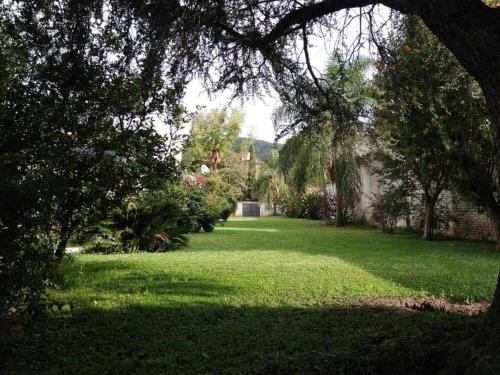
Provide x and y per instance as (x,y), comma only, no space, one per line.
(212,134)
(425,99)
(78,103)
(270,185)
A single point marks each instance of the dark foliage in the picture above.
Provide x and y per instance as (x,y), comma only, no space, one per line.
(102,244)
(77,103)
(148,224)
(314,205)
(23,273)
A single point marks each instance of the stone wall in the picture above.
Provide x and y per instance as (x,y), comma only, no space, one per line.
(470,222)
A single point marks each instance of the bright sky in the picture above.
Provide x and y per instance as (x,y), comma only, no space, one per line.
(258,111)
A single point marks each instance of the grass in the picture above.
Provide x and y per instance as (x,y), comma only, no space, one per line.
(268,295)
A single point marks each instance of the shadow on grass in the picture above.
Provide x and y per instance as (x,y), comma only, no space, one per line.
(218,339)
(124,277)
(436,267)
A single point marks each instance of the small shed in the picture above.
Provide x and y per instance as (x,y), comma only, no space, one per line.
(252,208)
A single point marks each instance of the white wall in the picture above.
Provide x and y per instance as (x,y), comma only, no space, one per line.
(369,185)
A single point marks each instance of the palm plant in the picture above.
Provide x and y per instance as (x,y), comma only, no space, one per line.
(214,132)
(148,227)
(324,152)
(311,158)
(270,185)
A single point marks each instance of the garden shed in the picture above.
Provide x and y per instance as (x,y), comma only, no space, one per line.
(252,208)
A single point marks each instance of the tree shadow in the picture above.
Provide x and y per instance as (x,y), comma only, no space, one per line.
(124,277)
(434,267)
(219,339)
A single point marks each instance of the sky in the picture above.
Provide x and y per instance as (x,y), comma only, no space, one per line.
(258,110)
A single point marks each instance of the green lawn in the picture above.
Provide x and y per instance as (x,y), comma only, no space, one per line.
(268,295)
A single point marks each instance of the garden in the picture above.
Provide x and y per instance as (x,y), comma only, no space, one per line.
(126,242)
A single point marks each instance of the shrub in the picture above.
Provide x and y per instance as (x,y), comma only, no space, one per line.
(388,207)
(205,202)
(151,222)
(197,213)
(102,245)
(312,206)
(24,273)
(290,205)
(329,210)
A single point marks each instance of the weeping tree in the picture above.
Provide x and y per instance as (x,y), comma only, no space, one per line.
(325,149)
(311,158)
(270,185)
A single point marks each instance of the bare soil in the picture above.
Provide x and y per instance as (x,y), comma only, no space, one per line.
(428,304)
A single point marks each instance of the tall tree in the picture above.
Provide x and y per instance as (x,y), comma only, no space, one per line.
(252,169)
(415,86)
(76,125)
(330,151)
(249,159)
(212,134)
(247,45)
(430,114)
(311,158)
(270,185)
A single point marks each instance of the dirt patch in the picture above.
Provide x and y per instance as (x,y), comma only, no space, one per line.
(428,304)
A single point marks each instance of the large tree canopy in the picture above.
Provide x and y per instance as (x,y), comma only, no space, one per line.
(246,43)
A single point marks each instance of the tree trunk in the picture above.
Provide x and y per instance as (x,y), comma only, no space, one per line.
(275,211)
(59,255)
(64,235)
(339,220)
(494,214)
(325,203)
(61,247)
(428,219)
(408,221)
(487,338)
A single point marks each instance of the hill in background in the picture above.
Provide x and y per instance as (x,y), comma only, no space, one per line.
(262,148)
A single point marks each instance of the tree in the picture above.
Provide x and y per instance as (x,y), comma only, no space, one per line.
(252,169)
(76,131)
(432,121)
(248,45)
(330,150)
(234,173)
(270,185)
(248,158)
(469,28)
(212,134)
(415,88)
(311,158)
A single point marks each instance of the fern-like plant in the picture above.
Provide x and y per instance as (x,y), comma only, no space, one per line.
(148,227)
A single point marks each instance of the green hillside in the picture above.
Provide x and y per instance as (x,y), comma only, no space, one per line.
(262,148)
